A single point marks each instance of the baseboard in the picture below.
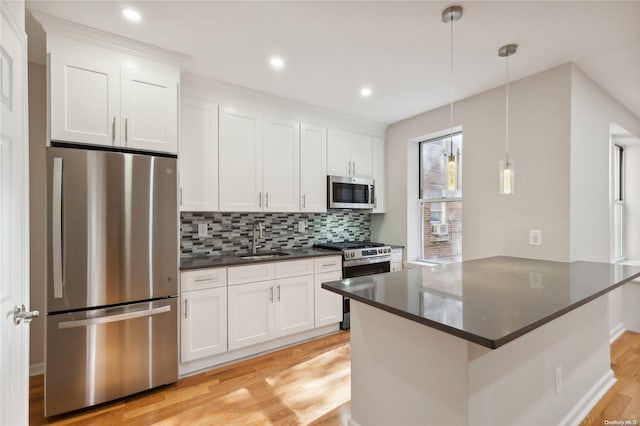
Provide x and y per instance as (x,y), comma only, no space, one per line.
(589,400)
(616,332)
(352,422)
(36,369)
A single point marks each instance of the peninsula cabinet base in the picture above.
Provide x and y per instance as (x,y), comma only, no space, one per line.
(403,372)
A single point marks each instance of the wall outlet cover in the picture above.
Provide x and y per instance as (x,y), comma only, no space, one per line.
(202,230)
(535,237)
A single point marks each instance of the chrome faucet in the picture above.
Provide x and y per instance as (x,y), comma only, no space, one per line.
(253,244)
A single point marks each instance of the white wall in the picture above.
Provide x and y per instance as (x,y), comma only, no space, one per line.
(37,205)
(492,224)
(592,113)
(632,201)
(231,95)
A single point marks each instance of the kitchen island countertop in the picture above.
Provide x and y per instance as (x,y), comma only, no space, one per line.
(487,301)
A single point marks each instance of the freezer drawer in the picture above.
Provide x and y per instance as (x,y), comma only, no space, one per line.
(103,354)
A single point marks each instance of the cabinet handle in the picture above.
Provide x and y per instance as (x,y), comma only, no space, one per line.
(126,130)
(185,308)
(349,163)
(271,294)
(113,130)
(180,196)
(354,168)
(328,264)
(375,202)
(260,199)
(200,280)
(266,198)
(278,293)
(304,201)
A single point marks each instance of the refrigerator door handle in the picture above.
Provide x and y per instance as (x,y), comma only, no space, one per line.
(114,318)
(56,222)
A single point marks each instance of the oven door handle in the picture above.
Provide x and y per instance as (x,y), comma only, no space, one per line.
(366,261)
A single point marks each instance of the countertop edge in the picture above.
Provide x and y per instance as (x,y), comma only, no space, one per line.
(227,261)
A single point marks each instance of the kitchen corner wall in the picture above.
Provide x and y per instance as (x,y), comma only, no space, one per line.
(231,233)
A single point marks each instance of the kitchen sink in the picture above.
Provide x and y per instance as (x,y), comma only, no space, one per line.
(267,255)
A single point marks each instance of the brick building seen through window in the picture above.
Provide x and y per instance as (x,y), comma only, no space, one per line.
(441,209)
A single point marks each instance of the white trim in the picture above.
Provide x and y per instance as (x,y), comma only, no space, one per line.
(62,27)
(352,422)
(36,369)
(13,22)
(616,332)
(589,400)
(211,83)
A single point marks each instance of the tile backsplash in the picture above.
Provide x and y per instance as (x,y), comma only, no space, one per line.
(231,233)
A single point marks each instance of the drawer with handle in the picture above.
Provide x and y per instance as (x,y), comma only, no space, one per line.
(203,278)
(327,264)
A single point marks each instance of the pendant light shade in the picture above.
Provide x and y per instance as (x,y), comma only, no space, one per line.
(449,16)
(507,171)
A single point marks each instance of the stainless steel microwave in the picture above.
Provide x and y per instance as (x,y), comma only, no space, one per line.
(350,193)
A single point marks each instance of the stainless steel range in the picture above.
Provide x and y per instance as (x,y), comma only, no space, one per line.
(359,258)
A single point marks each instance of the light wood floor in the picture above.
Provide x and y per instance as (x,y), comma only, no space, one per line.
(622,401)
(303,384)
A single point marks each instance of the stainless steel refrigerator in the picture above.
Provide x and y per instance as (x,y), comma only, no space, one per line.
(111,291)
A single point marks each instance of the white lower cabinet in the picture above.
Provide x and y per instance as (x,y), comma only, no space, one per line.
(251,314)
(294,304)
(204,323)
(328,304)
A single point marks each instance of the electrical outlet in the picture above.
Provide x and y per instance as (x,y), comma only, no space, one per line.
(558,379)
(535,237)
(535,280)
(202,230)
(302,226)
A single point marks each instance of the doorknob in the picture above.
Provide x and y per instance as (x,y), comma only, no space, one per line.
(20,314)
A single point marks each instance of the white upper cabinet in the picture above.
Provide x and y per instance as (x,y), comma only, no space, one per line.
(84,98)
(99,96)
(280,165)
(149,98)
(349,154)
(198,159)
(378,175)
(240,169)
(313,168)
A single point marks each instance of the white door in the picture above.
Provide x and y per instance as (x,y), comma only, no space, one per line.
(313,168)
(198,159)
(204,323)
(294,304)
(338,159)
(240,168)
(251,313)
(378,174)
(328,304)
(84,99)
(361,156)
(280,165)
(150,109)
(14,220)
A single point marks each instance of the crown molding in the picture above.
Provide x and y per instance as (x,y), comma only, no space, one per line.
(69,29)
(13,21)
(210,83)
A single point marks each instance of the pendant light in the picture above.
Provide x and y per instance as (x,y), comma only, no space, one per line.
(449,16)
(507,172)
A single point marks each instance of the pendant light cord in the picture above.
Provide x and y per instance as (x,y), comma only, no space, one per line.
(451,91)
(506,127)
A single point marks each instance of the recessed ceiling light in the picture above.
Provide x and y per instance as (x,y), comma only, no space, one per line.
(131,14)
(365,92)
(277,62)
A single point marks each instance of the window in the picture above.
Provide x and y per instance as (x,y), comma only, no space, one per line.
(440,209)
(618,201)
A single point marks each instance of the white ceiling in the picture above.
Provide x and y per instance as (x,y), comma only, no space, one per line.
(399,49)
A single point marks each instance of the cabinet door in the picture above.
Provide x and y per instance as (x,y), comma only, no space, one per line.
(280,165)
(378,175)
(204,323)
(361,156)
(313,168)
(294,304)
(251,314)
(84,98)
(198,159)
(338,159)
(328,304)
(150,109)
(240,168)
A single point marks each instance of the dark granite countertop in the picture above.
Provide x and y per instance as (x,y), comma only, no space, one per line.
(487,301)
(200,262)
